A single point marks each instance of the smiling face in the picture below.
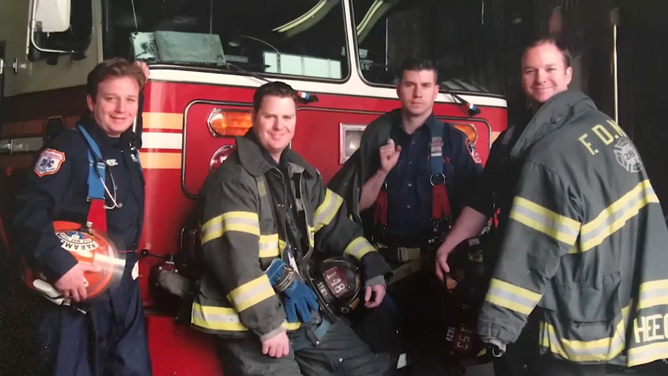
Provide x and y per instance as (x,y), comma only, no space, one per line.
(417,91)
(544,73)
(274,123)
(115,106)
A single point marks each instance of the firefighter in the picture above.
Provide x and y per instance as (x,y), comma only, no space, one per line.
(106,335)
(266,213)
(411,175)
(582,240)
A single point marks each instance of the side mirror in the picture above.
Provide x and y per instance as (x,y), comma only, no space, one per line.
(53,16)
(59,27)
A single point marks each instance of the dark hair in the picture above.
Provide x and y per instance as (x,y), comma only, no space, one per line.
(418,64)
(275,89)
(550,40)
(114,68)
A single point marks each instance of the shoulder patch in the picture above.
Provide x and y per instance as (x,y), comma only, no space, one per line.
(473,152)
(49,162)
(627,155)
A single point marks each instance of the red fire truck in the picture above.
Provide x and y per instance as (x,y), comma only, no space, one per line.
(206,59)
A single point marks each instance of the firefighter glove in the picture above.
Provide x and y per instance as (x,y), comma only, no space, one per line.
(298,298)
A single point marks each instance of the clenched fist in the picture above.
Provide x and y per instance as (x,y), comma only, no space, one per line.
(389,155)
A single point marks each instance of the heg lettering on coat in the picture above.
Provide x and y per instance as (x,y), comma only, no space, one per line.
(607,136)
(650,328)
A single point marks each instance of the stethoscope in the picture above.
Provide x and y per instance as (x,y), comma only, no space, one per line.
(115,204)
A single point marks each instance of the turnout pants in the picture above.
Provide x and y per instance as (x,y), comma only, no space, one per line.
(109,340)
(339,352)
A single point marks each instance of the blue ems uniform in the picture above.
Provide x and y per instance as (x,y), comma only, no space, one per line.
(409,190)
(111,337)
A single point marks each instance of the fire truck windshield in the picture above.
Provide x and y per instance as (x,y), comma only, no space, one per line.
(289,37)
(464,38)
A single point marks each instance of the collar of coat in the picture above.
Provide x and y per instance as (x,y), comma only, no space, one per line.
(382,129)
(127,139)
(558,112)
(250,156)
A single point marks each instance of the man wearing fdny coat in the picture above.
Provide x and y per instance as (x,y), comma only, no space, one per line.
(266,213)
(409,178)
(109,338)
(582,257)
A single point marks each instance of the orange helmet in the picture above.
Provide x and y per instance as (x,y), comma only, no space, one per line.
(86,246)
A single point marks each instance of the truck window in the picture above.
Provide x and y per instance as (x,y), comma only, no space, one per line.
(73,42)
(280,37)
(464,38)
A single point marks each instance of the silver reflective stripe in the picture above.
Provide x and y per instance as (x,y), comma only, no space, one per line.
(548,222)
(497,292)
(216,317)
(326,211)
(618,214)
(358,248)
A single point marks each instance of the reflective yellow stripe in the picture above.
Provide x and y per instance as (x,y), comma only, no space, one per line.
(327,210)
(599,350)
(251,293)
(648,353)
(311,236)
(216,318)
(232,221)
(269,246)
(512,297)
(545,220)
(653,294)
(224,319)
(292,325)
(358,248)
(616,215)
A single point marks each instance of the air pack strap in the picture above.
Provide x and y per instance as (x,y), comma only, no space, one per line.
(440,203)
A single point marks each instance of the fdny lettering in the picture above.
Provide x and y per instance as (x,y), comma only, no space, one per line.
(49,162)
(606,134)
(650,328)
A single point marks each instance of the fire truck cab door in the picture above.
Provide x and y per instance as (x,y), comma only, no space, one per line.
(28,70)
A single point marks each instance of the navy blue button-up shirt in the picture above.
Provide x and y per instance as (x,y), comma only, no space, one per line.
(408,186)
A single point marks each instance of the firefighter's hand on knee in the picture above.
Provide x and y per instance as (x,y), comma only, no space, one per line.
(442,267)
(71,285)
(377,292)
(389,155)
(276,346)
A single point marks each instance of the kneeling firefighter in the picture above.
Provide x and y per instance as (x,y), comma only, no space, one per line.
(282,257)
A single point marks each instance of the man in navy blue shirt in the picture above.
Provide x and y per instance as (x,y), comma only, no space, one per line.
(105,335)
(412,174)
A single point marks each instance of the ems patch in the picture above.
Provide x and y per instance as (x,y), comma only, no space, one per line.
(627,155)
(49,162)
(474,153)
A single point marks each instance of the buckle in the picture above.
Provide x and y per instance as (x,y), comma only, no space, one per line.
(405,254)
(439,182)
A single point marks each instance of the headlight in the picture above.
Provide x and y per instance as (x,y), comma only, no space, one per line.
(229,122)
(470,132)
(220,156)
